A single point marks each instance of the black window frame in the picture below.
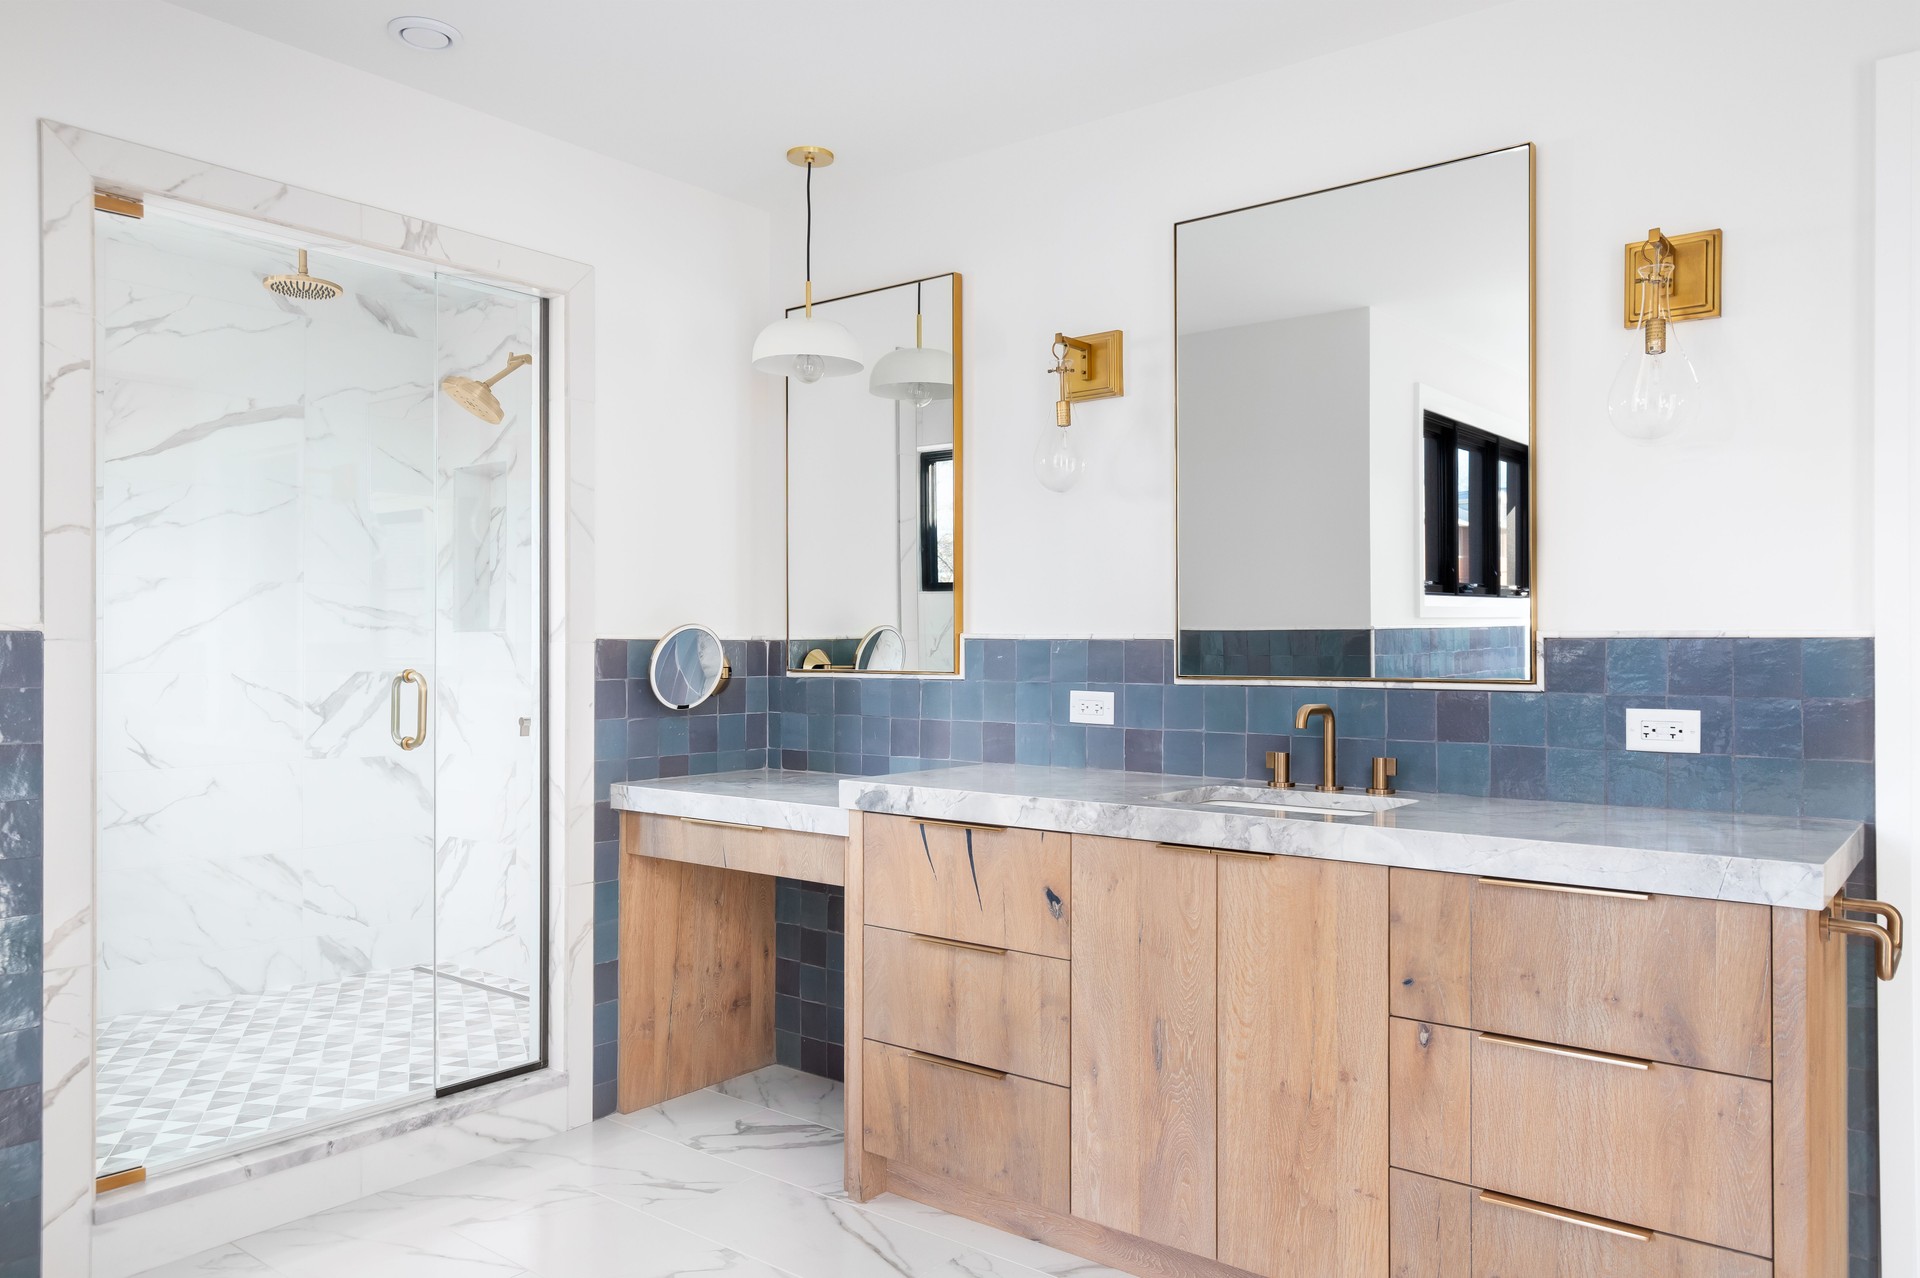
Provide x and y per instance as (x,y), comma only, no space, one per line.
(929,525)
(1441,486)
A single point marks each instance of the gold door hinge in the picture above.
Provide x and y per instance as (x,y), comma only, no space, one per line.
(119,1179)
(123,206)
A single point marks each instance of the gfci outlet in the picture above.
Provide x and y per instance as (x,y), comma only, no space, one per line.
(1664,731)
(1090,707)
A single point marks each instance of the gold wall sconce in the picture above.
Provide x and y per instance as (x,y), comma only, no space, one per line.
(1089,367)
(1669,278)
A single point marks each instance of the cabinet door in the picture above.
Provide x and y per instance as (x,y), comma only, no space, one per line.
(1144,1040)
(1303,1067)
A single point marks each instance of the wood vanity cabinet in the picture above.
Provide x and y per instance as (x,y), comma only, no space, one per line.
(1184,1061)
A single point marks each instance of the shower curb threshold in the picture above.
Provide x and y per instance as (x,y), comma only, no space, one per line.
(312,1146)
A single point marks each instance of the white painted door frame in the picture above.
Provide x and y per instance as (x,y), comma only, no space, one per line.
(1896,588)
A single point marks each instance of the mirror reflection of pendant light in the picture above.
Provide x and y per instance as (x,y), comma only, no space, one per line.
(918,374)
(802,346)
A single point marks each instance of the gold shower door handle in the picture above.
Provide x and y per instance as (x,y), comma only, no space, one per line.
(420,710)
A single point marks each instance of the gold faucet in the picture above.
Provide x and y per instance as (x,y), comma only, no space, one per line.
(1327,773)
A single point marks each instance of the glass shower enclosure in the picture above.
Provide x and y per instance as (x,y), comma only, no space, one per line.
(321,862)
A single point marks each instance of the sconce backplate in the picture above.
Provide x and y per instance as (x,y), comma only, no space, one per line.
(1105,367)
(1696,277)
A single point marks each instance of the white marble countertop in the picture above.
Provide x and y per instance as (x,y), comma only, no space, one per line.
(1789,861)
(805,801)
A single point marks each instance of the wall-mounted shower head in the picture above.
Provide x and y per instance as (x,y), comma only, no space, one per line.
(302,286)
(477,397)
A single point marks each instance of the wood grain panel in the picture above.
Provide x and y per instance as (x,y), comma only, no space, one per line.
(1003,1010)
(696,978)
(1432,1228)
(1303,1067)
(993,887)
(1669,978)
(1001,1136)
(1509,1242)
(816,858)
(1432,1122)
(1429,945)
(1676,1150)
(1809,1097)
(1144,1040)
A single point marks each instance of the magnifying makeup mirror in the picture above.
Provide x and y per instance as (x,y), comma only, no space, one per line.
(688,666)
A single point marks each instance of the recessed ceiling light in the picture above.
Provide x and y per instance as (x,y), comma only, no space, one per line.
(426,34)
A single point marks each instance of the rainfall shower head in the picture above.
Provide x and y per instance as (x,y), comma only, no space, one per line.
(477,397)
(302,286)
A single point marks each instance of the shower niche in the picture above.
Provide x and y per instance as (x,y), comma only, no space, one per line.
(321,857)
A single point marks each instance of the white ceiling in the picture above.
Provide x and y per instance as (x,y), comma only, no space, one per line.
(714,91)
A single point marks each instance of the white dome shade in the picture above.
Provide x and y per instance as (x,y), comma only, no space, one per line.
(913,372)
(785,341)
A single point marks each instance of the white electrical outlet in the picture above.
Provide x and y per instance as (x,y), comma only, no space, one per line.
(1664,731)
(1090,707)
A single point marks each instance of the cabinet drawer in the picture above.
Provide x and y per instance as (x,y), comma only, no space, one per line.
(1000,1134)
(1676,1150)
(1446,1230)
(1672,979)
(724,845)
(1010,888)
(994,1007)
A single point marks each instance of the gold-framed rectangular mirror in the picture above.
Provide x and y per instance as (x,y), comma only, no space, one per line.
(875,570)
(1354,431)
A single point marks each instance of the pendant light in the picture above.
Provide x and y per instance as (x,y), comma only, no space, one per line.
(802,346)
(918,374)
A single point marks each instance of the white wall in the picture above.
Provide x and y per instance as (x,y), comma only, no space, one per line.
(685,428)
(1273,464)
(1769,141)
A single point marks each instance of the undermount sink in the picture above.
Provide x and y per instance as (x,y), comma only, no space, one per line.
(1303,802)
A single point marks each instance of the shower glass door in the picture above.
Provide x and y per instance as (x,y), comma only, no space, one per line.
(319,690)
(488,903)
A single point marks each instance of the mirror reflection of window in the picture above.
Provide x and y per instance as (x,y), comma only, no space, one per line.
(936,519)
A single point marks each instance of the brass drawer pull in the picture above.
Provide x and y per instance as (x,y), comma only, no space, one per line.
(1565,887)
(1886,940)
(1600,1223)
(950,1063)
(1245,856)
(960,825)
(999,950)
(1572,1053)
(1185,847)
(725,825)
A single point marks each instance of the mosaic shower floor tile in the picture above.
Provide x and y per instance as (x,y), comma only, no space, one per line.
(186,1083)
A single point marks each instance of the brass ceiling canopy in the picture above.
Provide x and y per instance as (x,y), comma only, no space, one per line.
(801,156)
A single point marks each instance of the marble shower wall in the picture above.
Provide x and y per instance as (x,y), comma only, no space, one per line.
(21,848)
(281,532)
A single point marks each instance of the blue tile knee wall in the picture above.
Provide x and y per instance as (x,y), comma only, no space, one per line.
(1786,726)
(21,941)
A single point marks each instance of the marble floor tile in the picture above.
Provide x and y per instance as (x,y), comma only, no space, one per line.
(788,1091)
(775,1144)
(708,1183)
(601,1237)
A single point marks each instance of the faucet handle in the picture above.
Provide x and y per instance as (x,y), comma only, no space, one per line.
(1383,767)
(1280,763)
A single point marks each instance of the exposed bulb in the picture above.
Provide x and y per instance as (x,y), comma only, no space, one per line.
(1656,391)
(1056,461)
(808,368)
(1654,396)
(919,394)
